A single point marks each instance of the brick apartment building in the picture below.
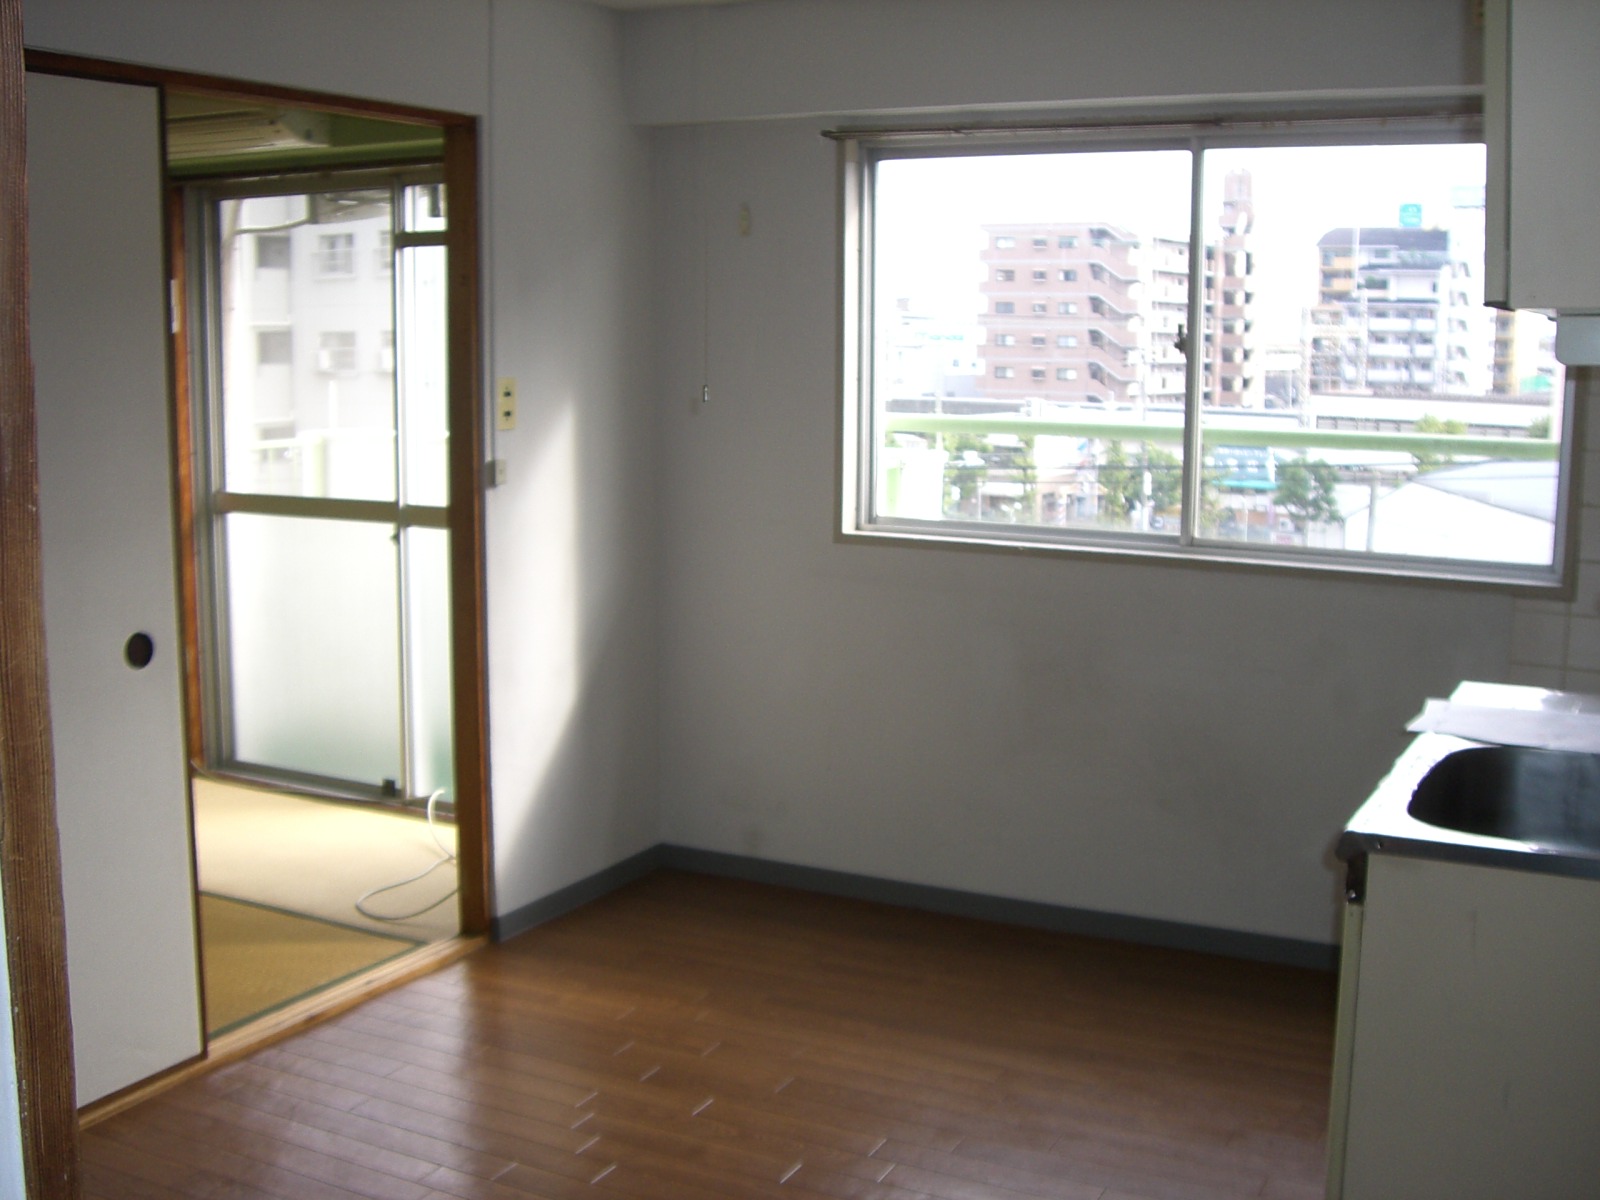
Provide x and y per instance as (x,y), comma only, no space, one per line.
(1093,313)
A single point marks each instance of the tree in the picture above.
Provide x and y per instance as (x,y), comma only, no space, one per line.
(972,458)
(1122,480)
(1306,492)
(1121,483)
(1426,459)
(965,475)
(1539,428)
(1166,478)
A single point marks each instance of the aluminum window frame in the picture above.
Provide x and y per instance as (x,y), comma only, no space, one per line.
(859,153)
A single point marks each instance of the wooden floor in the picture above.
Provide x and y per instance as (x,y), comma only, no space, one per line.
(691,1038)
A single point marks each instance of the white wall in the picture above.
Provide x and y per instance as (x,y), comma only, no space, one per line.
(572,655)
(780,58)
(1163,741)
(571,643)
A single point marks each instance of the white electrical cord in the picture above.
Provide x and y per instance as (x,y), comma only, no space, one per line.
(447,855)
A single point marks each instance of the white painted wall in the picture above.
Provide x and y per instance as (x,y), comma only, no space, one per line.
(572,535)
(570,539)
(1164,741)
(783,58)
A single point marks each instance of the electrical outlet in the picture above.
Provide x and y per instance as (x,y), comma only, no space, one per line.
(505,405)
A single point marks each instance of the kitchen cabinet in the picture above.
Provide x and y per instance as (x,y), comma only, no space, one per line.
(1469,1067)
(1467,1050)
(1541,91)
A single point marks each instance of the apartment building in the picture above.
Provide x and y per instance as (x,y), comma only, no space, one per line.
(1094,313)
(1399,311)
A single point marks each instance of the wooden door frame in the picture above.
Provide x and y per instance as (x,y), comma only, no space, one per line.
(468,639)
(30,859)
(30,853)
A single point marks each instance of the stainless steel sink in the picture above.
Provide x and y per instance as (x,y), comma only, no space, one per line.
(1544,798)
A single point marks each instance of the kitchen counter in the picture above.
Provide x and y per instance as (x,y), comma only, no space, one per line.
(1468,1037)
(1528,716)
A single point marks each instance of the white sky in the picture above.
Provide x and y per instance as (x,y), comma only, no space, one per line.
(930,210)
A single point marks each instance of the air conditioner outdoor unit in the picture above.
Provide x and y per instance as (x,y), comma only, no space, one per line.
(220,134)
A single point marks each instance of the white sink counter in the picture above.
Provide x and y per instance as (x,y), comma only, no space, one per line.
(1497,714)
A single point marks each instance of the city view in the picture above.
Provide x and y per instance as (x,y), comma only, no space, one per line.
(1034,347)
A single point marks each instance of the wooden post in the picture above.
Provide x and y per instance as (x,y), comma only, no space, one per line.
(30,857)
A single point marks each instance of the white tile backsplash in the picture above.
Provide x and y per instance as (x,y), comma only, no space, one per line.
(1582,681)
(1583,644)
(1543,677)
(1538,639)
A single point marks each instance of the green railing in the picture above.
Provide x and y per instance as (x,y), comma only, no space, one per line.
(1440,444)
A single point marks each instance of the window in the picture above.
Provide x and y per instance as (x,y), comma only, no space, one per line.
(1246,454)
(1040,276)
(336,254)
(1005,243)
(272,252)
(1004,275)
(1069,276)
(336,351)
(1005,339)
(274,347)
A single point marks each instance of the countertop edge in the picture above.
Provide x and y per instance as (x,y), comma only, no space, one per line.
(1383,826)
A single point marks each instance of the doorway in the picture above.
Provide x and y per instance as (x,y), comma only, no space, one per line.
(336,775)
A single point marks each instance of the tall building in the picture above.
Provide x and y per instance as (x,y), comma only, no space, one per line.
(1524,353)
(1399,312)
(1232,377)
(1061,313)
(1091,313)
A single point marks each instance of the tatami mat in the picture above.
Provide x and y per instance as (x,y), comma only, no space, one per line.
(258,958)
(318,857)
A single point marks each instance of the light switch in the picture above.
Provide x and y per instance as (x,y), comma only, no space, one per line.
(505,405)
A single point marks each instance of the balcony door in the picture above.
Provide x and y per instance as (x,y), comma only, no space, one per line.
(322,494)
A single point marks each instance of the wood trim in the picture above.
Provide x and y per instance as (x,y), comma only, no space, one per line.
(469,647)
(183,471)
(285,1022)
(30,857)
(52,63)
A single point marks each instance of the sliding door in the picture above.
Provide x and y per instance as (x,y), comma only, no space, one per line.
(99,329)
(324,504)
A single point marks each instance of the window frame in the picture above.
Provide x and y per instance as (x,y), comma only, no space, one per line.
(859,153)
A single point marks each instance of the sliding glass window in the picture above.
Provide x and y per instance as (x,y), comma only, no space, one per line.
(324,505)
(1230,343)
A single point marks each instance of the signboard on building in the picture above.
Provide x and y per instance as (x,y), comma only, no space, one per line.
(1411,216)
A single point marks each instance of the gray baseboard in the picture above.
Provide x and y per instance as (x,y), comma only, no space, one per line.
(576,895)
(1175,935)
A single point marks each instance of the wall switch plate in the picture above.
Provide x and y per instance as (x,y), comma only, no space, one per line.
(496,472)
(505,405)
